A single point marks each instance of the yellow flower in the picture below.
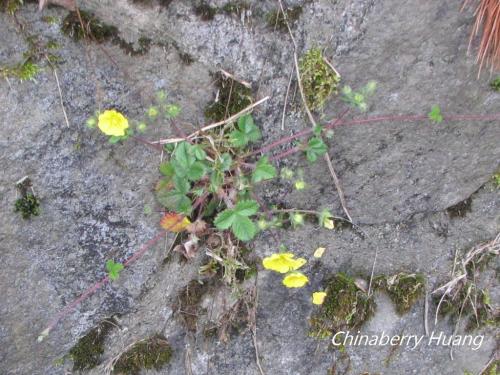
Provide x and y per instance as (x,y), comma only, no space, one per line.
(318,253)
(112,122)
(283,262)
(319,298)
(295,280)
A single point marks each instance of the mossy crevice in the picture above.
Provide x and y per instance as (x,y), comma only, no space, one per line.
(404,289)
(276,20)
(460,209)
(151,353)
(100,32)
(28,204)
(346,306)
(188,303)
(495,84)
(319,80)
(232,97)
(87,352)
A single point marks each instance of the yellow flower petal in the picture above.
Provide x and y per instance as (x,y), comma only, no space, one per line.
(329,224)
(318,253)
(295,280)
(283,262)
(318,298)
(112,122)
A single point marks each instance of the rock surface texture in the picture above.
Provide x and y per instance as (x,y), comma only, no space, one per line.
(399,179)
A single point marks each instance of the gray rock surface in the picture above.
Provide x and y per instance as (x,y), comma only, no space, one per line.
(398,179)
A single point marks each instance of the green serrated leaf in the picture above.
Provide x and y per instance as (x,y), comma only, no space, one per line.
(183,157)
(263,170)
(174,200)
(435,114)
(225,162)
(196,171)
(246,208)
(317,130)
(113,269)
(315,147)
(238,138)
(225,219)
(181,184)
(167,169)
(216,180)
(198,152)
(243,228)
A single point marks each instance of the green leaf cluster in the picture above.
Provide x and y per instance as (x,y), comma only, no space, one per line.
(113,269)
(186,165)
(246,132)
(263,170)
(315,147)
(238,220)
(435,114)
(357,99)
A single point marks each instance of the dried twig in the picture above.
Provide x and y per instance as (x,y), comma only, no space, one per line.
(195,134)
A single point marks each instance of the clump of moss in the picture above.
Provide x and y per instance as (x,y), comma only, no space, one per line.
(276,20)
(346,306)
(24,71)
(404,289)
(87,352)
(94,28)
(151,353)
(205,11)
(232,97)
(235,7)
(28,205)
(318,79)
(189,300)
(495,84)
(460,209)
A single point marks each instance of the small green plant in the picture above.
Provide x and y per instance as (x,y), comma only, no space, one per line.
(357,99)
(28,204)
(319,80)
(403,289)
(435,114)
(495,84)
(113,269)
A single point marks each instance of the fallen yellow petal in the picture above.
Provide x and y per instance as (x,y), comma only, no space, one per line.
(329,224)
(283,262)
(295,280)
(318,253)
(318,298)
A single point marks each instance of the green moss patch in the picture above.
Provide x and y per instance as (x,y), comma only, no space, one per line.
(318,79)
(152,353)
(233,96)
(28,205)
(404,289)
(87,352)
(346,306)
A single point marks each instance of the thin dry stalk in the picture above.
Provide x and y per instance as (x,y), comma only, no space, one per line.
(195,134)
(311,117)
